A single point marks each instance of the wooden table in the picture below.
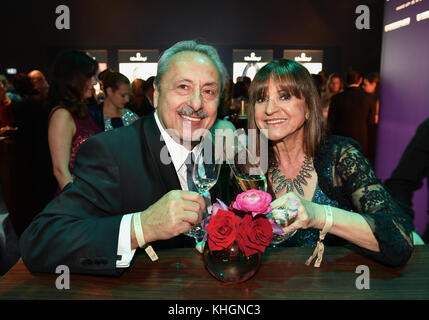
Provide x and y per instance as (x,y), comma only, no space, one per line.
(180,274)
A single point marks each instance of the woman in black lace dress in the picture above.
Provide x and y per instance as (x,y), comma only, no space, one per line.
(325,176)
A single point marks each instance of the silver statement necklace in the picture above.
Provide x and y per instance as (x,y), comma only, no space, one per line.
(295,183)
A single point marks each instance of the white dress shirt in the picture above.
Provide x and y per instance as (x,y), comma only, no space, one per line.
(178,155)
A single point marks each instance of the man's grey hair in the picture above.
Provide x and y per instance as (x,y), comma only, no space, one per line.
(191,46)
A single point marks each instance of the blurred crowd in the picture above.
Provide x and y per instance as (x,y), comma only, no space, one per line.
(23,90)
(43,124)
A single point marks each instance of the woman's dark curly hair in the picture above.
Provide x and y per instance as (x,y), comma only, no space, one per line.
(71,72)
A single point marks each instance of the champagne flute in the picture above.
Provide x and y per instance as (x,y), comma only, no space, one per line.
(248,173)
(205,175)
(245,166)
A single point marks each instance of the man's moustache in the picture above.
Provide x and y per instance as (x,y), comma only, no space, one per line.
(188,111)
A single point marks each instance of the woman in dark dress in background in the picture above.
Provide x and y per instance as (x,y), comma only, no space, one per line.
(70,123)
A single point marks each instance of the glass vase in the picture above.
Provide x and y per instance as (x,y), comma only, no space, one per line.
(231,265)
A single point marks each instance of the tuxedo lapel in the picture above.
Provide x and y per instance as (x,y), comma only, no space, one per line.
(167,173)
(151,136)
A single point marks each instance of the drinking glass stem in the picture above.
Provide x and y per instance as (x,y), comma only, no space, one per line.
(206,197)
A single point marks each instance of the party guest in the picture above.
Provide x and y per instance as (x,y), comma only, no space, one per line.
(371,85)
(352,112)
(125,195)
(137,97)
(70,123)
(7,119)
(334,85)
(112,113)
(412,169)
(40,84)
(326,176)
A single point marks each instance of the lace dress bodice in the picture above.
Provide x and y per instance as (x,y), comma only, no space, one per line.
(346,180)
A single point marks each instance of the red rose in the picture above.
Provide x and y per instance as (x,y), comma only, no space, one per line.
(254,234)
(222,230)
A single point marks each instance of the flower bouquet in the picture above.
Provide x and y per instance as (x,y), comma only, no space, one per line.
(238,234)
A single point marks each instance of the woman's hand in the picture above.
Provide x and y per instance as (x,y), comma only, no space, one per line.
(303,213)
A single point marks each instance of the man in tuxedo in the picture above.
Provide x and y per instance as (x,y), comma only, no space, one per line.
(131,186)
(352,112)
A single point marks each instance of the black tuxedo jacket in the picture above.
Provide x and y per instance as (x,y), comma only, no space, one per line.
(117,172)
(351,114)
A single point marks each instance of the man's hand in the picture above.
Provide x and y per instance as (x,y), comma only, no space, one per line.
(175,213)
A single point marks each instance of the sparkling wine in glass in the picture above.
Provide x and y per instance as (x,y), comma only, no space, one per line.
(247,182)
(247,170)
(246,167)
(205,175)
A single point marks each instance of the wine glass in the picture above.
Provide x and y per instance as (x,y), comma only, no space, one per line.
(245,166)
(205,175)
(247,170)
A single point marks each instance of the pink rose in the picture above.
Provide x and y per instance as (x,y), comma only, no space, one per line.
(254,201)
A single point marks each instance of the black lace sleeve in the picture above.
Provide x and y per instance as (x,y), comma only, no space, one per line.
(389,221)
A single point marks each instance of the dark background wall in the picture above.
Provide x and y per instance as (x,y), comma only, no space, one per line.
(31,40)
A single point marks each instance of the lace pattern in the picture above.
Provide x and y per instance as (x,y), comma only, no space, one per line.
(309,237)
(352,182)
